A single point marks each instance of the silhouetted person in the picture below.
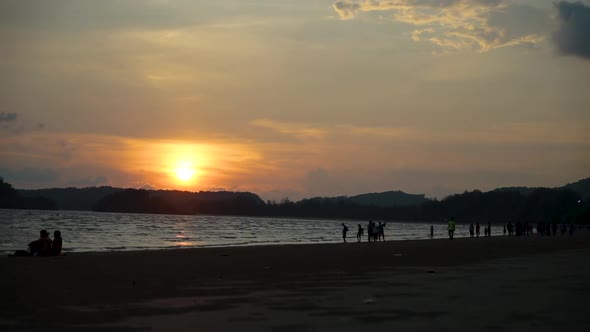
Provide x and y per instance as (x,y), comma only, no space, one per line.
(431,231)
(381,231)
(370,231)
(359,233)
(489,228)
(42,246)
(471,230)
(57,244)
(451,228)
(504,231)
(344,231)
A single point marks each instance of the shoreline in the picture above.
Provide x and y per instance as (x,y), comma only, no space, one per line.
(303,244)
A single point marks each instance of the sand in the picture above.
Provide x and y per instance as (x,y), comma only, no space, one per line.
(495,284)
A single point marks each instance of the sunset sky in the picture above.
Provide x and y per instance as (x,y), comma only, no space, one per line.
(295,98)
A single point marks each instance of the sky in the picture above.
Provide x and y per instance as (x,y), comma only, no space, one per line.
(295,98)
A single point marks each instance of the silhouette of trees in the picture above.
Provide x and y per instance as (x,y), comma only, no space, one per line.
(501,205)
(11,199)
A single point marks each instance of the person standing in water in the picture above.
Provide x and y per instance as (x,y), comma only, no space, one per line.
(344,231)
(451,228)
(360,233)
(471,230)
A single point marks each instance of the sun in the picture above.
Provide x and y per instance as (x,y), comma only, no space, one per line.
(184,173)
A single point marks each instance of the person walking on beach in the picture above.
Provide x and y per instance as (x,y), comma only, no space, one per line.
(431,231)
(489,228)
(477,229)
(451,227)
(504,231)
(359,233)
(471,230)
(344,231)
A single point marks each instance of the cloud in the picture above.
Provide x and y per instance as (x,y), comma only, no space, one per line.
(573,36)
(449,24)
(297,130)
(321,182)
(7,117)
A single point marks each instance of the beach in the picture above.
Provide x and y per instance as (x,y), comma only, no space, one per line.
(496,284)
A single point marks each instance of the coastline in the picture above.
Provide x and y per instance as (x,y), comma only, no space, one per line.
(91,289)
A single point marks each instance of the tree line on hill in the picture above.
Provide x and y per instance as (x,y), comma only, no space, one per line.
(11,199)
(564,204)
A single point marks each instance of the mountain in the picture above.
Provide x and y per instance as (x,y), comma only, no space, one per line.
(181,202)
(581,187)
(80,199)
(11,199)
(388,199)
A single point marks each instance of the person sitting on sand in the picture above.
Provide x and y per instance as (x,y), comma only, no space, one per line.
(451,227)
(360,233)
(57,244)
(42,246)
(344,231)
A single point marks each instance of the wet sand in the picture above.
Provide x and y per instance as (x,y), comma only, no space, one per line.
(496,284)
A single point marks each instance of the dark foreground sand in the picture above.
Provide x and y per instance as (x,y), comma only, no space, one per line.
(487,284)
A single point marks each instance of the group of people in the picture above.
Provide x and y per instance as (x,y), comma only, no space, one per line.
(375,232)
(543,229)
(44,246)
(474,231)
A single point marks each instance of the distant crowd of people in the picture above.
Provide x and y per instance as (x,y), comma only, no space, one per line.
(44,245)
(375,232)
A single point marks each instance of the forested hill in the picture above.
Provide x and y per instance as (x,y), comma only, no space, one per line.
(83,199)
(581,187)
(564,204)
(388,199)
(180,202)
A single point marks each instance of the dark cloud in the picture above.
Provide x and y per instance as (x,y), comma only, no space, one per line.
(573,36)
(7,117)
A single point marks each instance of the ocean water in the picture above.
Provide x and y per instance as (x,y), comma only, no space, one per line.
(94,231)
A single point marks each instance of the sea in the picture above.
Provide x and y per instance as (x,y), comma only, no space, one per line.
(85,231)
